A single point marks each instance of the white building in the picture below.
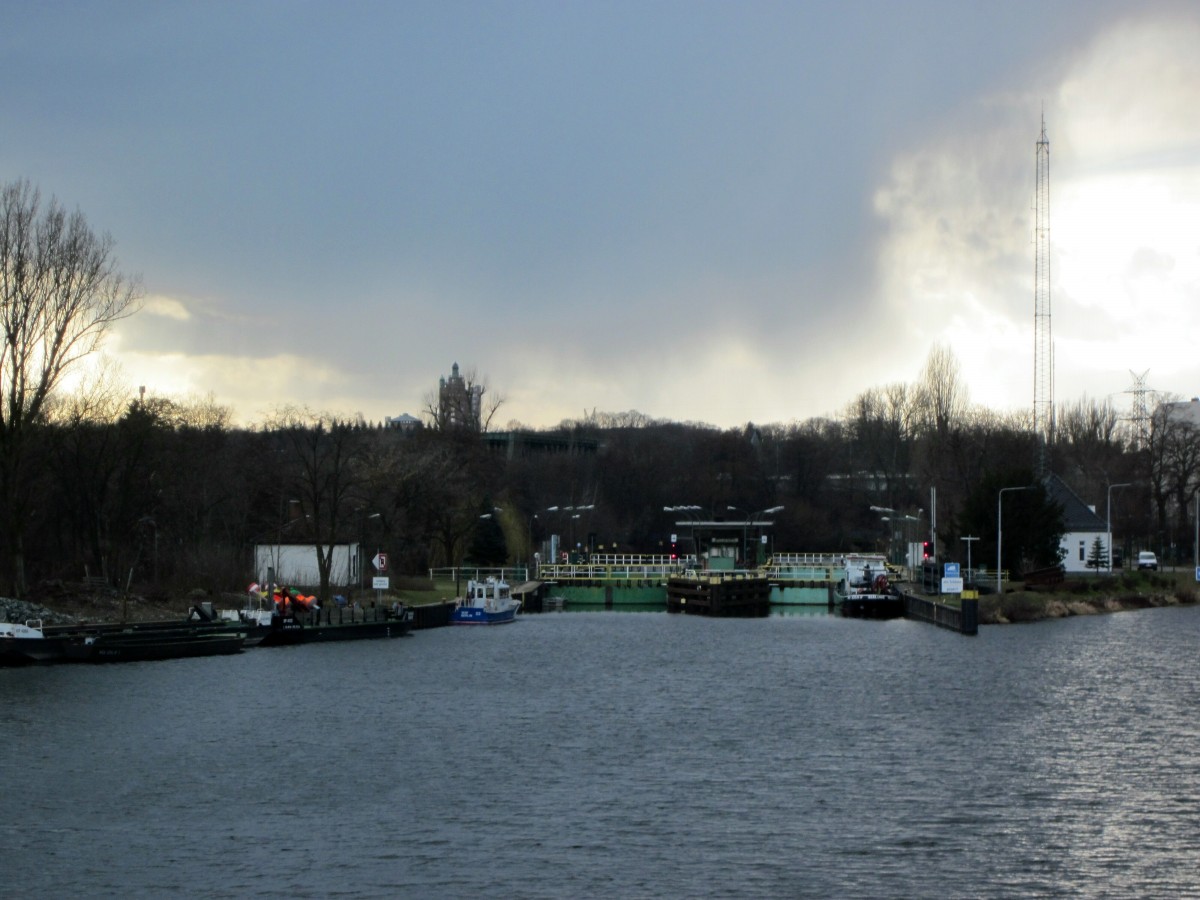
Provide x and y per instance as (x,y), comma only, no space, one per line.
(295,565)
(1082,527)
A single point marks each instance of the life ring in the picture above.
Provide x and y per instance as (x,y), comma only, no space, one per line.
(881,584)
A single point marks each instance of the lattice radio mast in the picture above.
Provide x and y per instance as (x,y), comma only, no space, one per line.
(1139,415)
(1043,352)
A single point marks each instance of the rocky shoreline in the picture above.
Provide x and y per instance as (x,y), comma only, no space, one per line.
(23,611)
(1028,606)
(62,603)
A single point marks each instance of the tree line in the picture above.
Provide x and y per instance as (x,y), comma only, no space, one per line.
(171,495)
(168,494)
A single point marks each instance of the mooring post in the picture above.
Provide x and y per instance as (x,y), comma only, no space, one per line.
(969,620)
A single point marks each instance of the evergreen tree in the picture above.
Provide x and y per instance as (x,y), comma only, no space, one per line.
(1097,556)
(488,546)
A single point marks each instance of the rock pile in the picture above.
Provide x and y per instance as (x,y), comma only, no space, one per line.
(23,610)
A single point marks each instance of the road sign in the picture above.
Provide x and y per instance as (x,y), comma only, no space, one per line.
(950,570)
(380,582)
(380,562)
(952,585)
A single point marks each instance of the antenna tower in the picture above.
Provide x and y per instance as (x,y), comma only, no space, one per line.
(1043,348)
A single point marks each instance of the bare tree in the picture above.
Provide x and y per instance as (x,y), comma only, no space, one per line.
(1173,452)
(941,397)
(60,292)
(322,455)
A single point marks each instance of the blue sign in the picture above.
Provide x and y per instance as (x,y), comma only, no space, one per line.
(950,570)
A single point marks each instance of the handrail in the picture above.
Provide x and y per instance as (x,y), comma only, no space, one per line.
(510,574)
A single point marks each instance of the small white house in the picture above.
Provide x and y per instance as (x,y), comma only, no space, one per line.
(296,565)
(1083,526)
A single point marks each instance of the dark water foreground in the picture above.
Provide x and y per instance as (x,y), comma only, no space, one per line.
(621,755)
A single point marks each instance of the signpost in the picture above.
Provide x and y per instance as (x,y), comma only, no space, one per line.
(952,582)
(380,582)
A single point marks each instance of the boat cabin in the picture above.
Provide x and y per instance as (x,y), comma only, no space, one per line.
(864,570)
(489,594)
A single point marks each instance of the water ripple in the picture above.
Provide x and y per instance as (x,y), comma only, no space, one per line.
(620,755)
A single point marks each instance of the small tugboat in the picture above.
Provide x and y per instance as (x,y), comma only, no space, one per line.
(488,602)
(865,591)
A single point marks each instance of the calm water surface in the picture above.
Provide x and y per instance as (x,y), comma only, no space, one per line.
(621,755)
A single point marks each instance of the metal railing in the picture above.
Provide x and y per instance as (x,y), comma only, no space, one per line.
(779,560)
(511,574)
(594,571)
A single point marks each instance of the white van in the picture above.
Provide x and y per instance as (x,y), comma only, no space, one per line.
(1147,560)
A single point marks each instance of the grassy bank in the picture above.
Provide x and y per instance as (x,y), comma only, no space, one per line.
(1089,595)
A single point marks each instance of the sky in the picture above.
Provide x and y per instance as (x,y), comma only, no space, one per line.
(719,212)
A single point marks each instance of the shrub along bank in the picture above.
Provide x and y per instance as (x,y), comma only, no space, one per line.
(1089,596)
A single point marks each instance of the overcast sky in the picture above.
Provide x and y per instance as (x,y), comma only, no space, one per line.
(705,211)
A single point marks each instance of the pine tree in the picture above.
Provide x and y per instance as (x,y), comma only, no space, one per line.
(1098,556)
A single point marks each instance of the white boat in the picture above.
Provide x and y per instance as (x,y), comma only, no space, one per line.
(866,590)
(488,602)
(22,644)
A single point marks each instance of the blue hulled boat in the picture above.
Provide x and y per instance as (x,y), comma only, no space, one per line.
(488,602)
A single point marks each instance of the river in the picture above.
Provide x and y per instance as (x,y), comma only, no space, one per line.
(614,754)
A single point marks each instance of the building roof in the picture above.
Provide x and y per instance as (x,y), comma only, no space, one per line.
(1077,515)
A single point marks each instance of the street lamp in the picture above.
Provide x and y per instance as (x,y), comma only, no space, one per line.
(692,512)
(967,541)
(904,520)
(769,511)
(362,565)
(532,552)
(1108,519)
(999,532)
(750,518)
(745,524)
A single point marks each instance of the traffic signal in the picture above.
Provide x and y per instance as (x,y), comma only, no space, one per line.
(927,550)
(674,555)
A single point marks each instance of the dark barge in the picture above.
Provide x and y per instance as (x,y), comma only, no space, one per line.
(741,595)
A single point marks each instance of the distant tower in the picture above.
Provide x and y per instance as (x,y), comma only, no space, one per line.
(1043,348)
(1139,415)
(460,403)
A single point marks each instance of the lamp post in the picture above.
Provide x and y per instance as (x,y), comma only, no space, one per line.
(532,552)
(1108,519)
(692,513)
(363,552)
(575,512)
(1000,531)
(746,523)
(904,520)
(769,511)
(967,541)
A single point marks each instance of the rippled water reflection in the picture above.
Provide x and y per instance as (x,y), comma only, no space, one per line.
(621,754)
